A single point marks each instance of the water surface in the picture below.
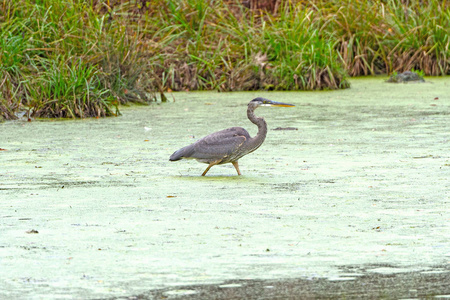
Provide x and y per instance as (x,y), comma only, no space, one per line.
(362,182)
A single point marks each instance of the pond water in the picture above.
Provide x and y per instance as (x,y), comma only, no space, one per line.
(363,184)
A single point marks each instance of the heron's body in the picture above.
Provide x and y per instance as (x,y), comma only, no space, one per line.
(228,145)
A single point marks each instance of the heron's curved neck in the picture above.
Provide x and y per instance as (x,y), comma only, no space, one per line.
(259,138)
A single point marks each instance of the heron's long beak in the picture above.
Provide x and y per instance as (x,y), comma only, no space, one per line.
(274,103)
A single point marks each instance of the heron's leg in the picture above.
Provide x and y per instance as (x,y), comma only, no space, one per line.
(210,165)
(236,166)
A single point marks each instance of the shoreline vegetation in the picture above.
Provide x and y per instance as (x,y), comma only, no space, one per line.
(84,58)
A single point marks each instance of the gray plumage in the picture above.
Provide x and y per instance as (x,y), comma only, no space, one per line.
(229,145)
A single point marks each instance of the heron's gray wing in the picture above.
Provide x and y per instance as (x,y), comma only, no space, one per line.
(220,144)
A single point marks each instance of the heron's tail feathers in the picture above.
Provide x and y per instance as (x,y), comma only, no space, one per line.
(183,152)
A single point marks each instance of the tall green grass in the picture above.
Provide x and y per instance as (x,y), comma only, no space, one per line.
(207,46)
(83,58)
(69,89)
(374,37)
(422,35)
(63,59)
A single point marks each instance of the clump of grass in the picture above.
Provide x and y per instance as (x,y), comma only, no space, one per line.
(301,58)
(356,27)
(422,37)
(56,60)
(70,89)
(206,46)
(12,49)
(381,37)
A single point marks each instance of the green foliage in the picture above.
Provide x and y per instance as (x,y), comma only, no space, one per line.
(78,58)
(421,73)
(11,56)
(70,89)
(381,37)
(55,58)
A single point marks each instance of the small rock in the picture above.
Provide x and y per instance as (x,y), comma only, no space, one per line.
(407,76)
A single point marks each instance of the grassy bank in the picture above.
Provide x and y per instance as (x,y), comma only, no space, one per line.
(75,58)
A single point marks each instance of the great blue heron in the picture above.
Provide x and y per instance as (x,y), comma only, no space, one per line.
(228,145)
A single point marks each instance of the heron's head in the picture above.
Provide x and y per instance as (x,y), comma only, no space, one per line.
(257,102)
